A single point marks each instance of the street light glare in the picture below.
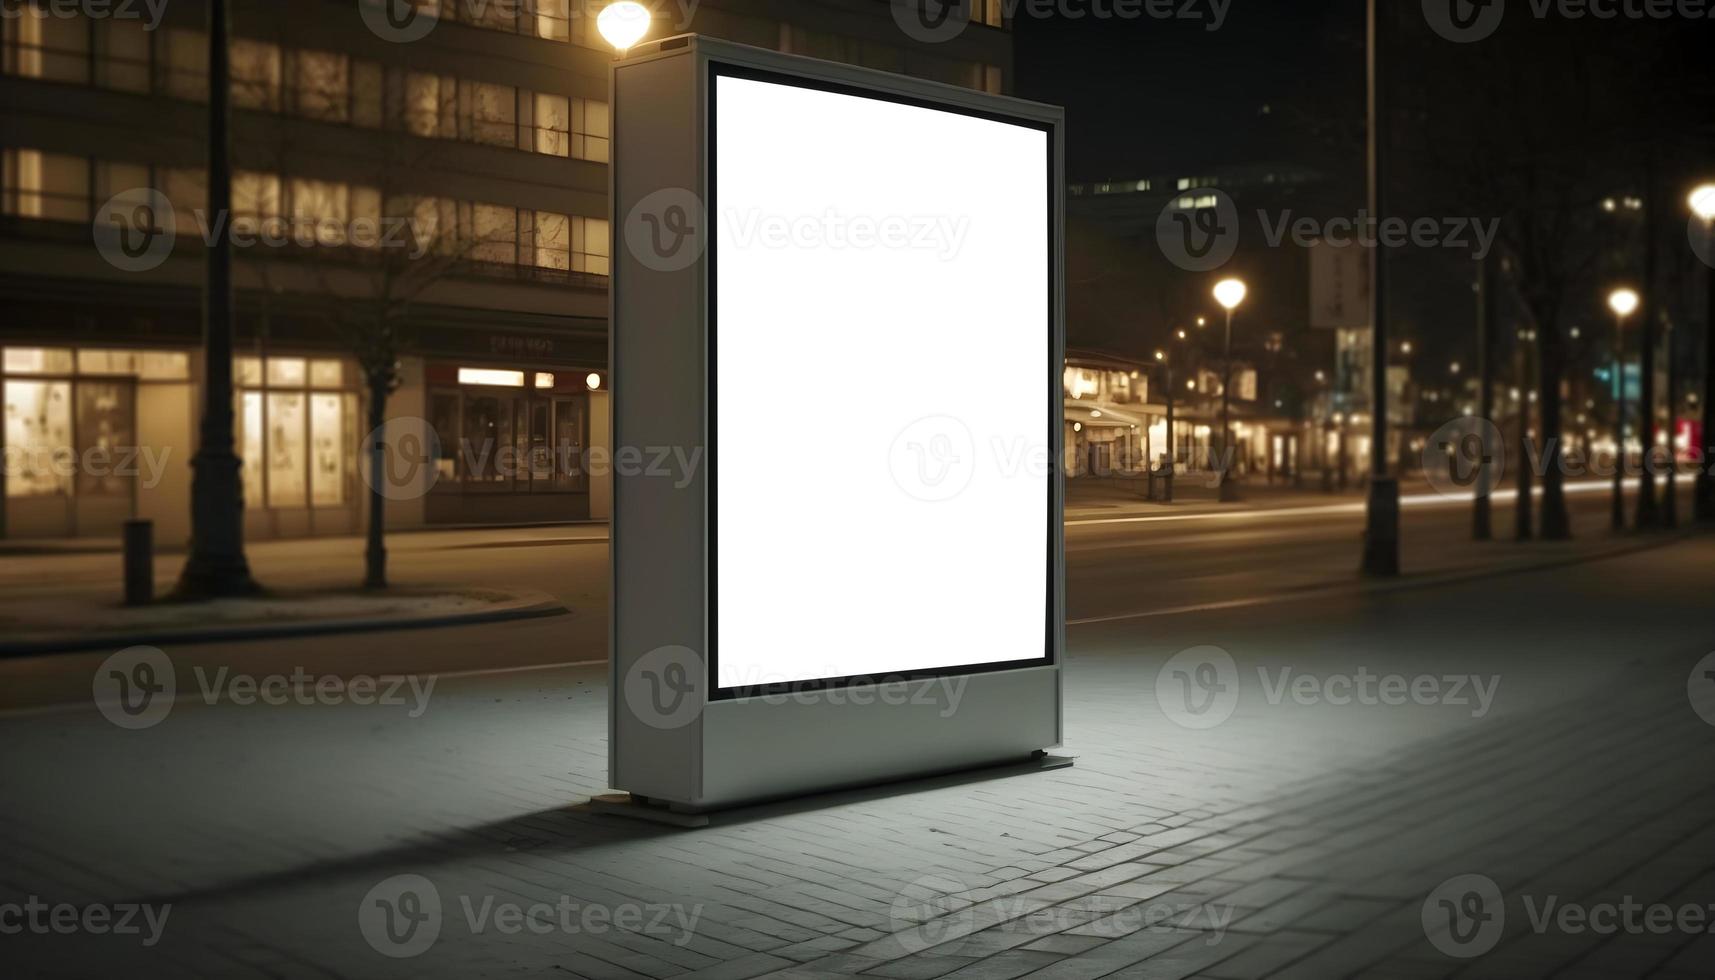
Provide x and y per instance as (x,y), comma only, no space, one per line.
(623,24)
(1230,293)
(1703,202)
(1623,302)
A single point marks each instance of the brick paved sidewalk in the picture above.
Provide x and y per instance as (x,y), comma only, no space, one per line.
(1277,845)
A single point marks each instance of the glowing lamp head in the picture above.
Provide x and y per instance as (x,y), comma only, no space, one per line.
(593,381)
(1161,355)
(1703,202)
(623,24)
(1624,302)
(1230,293)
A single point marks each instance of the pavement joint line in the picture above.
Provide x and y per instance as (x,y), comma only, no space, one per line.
(1333,590)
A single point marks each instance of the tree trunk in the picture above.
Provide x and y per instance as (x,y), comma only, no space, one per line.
(1555,525)
(1649,317)
(375,555)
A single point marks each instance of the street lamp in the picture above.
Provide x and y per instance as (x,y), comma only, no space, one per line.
(1702,203)
(623,24)
(1624,302)
(1229,293)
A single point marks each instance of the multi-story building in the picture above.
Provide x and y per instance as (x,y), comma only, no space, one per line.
(481,144)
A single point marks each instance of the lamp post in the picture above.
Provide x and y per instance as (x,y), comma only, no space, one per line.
(623,24)
(1624,302)
(1381,527)
(1523,527)
(1703,205)
(217,565)
(1482,517)
(1167,476)
(1229,293)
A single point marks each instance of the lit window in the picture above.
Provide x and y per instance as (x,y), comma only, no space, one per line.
(248,370)
(122,61)
(37,360)
(326,374)
(286,372)
(553,124)
(255,75)
(186,68)
(38,45)
(321,86)
(590,130)
(494,234)
(493,113)
(49,186)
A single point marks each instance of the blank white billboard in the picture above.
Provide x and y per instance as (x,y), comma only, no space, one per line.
(883,401)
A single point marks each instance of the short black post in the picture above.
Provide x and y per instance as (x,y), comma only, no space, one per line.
(139,563)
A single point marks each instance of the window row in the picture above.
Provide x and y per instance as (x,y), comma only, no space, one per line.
(57,187)
(324,86)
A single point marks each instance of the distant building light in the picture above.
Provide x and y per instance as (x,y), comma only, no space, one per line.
(494,379)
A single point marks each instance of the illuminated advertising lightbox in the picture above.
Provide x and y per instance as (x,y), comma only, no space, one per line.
(843,289)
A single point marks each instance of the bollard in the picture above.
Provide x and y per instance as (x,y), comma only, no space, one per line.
(139,562)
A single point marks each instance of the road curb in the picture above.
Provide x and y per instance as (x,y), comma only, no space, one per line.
(525,605)
(1405,583)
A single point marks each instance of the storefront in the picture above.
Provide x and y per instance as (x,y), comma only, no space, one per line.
(94,437)
(298,431)
(515,443)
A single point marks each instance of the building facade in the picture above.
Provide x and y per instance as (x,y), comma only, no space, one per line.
(479,150)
